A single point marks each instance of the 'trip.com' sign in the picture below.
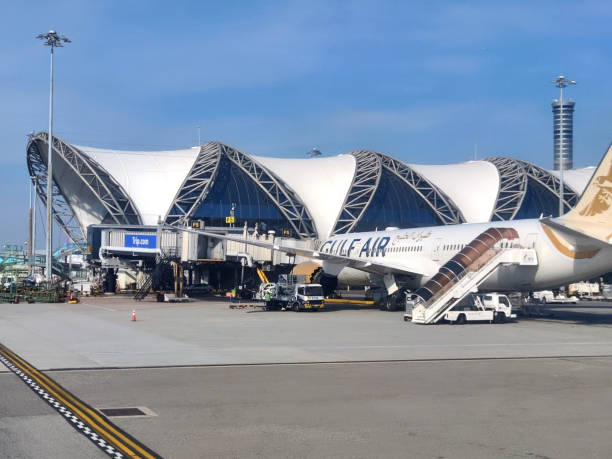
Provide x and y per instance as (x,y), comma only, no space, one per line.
(141,241)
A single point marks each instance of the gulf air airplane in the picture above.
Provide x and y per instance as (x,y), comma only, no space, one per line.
(575,246)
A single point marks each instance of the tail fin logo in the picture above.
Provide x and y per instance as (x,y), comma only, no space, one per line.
(593,213)
(602,200)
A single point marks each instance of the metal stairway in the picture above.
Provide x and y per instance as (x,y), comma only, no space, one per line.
(469,268)
(144,290)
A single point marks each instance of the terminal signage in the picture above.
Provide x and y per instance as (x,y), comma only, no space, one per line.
(141,241)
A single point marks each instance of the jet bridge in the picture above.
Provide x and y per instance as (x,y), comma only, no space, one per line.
(468,269)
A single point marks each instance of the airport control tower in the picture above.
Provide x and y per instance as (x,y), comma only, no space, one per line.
(563,127)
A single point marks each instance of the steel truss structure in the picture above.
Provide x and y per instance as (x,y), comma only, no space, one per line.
(512,187)
(514,175)
(105,188)
(196,185)
(551,183)
(202,175)
(368,172)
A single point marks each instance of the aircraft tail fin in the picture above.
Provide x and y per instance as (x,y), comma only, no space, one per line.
(592,215)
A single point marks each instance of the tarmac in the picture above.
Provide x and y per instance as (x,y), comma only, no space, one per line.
(346,382)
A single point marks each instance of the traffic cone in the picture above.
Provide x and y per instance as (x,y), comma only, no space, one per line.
(133,315)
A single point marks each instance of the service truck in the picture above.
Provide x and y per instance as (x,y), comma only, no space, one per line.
(548,296)
(491,307)
(288,294)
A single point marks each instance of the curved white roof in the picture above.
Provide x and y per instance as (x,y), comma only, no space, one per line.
(321,183)
(576,179)
(153,178)
(150,178)
(472,186)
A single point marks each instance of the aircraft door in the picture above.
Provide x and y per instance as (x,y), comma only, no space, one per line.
(435,249)
(530,241)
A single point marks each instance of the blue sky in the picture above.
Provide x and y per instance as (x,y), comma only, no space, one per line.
(421,81)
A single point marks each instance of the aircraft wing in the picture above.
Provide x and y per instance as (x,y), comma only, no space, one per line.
(374,267)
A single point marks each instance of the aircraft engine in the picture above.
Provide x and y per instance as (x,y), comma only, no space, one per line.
(330,276)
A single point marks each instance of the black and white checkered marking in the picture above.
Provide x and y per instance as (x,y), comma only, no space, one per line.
(72,419)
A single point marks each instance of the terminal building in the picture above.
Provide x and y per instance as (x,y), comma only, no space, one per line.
(304,200)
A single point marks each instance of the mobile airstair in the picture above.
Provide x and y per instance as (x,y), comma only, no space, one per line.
(468,269)
(143,291)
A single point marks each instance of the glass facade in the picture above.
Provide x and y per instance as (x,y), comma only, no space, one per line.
(538,200)
(396,204)
(233,187)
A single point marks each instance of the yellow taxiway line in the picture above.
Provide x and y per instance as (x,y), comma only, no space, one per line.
(106,435)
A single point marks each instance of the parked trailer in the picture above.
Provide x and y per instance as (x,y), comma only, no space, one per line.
(584,289)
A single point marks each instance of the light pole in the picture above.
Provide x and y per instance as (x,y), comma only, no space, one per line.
(52,40)
(561,82)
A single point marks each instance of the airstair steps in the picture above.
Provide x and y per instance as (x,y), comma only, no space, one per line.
(468,269)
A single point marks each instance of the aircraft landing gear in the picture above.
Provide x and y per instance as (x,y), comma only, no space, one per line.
(393,302)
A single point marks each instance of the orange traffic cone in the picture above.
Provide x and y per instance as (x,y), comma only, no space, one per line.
(133,315)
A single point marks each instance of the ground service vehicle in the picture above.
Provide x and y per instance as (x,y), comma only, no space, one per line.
(489,308)
(584,290)
(287,294)
(606,291)
(499,304)
(547,296)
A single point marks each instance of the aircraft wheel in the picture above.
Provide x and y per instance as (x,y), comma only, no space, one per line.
(296,306)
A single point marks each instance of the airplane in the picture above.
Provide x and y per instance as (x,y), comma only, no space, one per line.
(573,247)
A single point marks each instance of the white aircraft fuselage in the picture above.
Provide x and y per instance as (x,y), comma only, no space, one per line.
(426,249)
